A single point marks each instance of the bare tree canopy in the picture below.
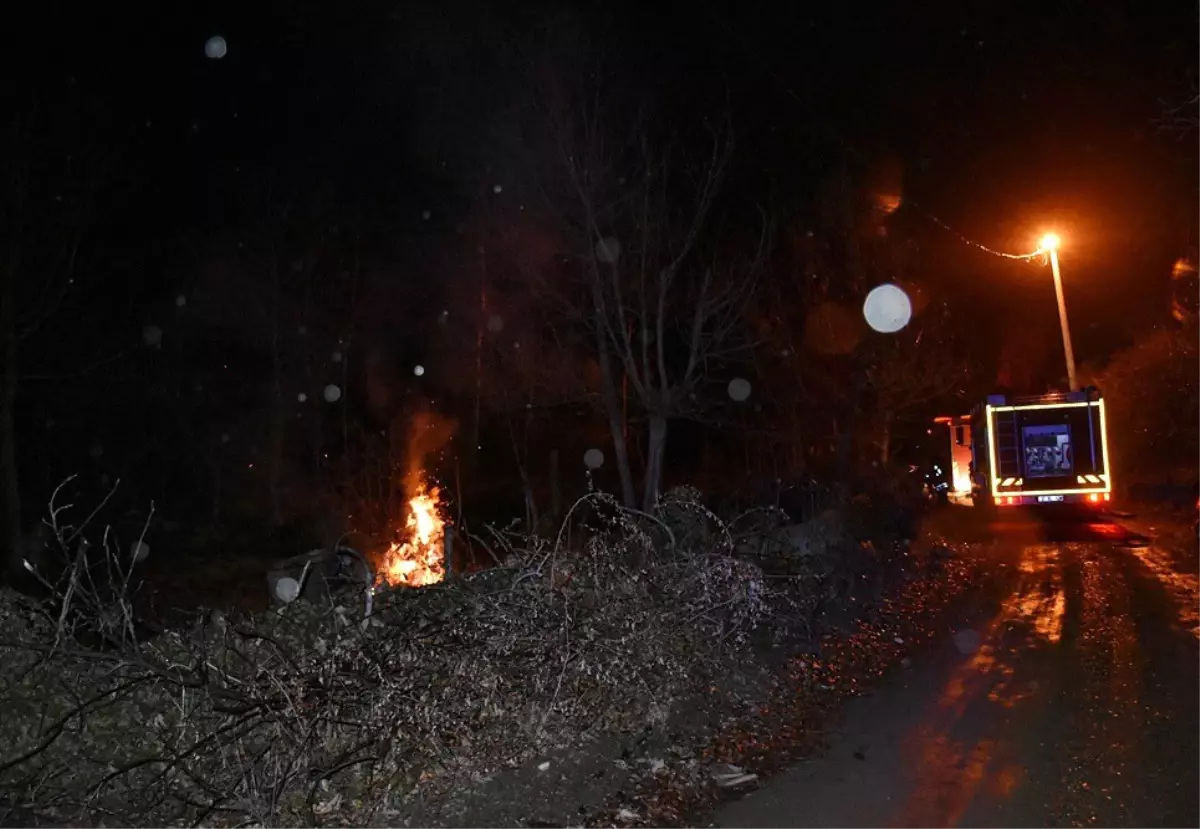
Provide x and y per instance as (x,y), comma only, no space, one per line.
(662,268)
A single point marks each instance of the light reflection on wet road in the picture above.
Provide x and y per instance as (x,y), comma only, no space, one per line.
(1076,704)
(1183,587)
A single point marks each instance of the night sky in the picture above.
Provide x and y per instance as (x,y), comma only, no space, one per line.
(1000,122)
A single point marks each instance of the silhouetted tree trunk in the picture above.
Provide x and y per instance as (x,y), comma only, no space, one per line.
(10,492)
(612,404)
(655,450)
(277,427)
(521,455)
(849,425)
(556,500)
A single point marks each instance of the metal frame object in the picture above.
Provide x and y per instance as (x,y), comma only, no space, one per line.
(1000,486)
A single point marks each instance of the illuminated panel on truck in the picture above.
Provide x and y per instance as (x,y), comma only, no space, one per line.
(1106,476)
(1048,451)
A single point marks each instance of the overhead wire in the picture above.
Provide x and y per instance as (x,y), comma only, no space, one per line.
(979,245)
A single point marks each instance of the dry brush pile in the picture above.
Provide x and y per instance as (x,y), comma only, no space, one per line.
(310,714)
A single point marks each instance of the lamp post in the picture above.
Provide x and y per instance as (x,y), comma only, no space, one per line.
(1049,244)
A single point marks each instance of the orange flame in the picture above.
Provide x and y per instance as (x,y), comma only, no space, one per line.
(962,479)
(418,559)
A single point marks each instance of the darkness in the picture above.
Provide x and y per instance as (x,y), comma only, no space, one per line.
(991,123)
(1002,121)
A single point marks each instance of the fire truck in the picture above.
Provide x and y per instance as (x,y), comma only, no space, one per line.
(1048,449)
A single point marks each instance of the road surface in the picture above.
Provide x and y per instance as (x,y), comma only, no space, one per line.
(1068,697)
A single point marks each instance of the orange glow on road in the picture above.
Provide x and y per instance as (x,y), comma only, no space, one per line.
(952,768)
(1182,587)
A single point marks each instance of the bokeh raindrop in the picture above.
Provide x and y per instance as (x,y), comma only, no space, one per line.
(215,47)
(139,551)
(739,389)
(887,308)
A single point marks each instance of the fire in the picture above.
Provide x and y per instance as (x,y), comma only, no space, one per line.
(962,479)
(418,559)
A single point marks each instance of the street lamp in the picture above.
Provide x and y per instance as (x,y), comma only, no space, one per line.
(1049,244)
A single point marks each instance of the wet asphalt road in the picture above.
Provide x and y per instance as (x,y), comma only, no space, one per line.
(1068,696)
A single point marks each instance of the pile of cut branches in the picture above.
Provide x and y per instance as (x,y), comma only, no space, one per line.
(311,714)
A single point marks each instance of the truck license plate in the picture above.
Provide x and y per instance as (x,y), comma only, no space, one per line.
(1049,499)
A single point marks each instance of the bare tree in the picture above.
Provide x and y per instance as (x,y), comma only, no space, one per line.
(828,376)
(496,345)
(908,373)
(1181,117)
(663,302)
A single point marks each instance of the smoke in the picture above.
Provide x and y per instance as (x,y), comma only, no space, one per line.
(428,435)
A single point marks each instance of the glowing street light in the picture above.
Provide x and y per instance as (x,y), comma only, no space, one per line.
(1049,245)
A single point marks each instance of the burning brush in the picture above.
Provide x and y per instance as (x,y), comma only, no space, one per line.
(418,557)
